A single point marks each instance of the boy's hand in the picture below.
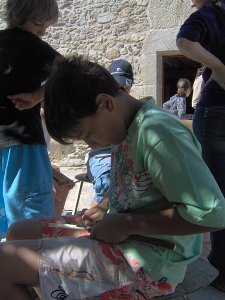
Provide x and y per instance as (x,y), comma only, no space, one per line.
(93,215)
(112,229)
(218,74)
(96,213)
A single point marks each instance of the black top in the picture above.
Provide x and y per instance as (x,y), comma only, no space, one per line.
(24,62)
(207,26)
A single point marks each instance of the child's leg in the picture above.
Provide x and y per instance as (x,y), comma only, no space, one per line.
(84,269)
(41,227)
(19,269)
(59,201)
(25,230)
(62,185)
(60,195)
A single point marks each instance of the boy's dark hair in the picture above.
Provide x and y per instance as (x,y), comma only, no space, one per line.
(70,94)
(18,12)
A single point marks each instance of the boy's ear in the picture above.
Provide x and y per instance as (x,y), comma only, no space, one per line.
(105,102)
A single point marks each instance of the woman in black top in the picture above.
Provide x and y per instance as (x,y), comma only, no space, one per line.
(202,38)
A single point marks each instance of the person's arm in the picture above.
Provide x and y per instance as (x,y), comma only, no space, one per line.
(36,228)
(27,100)
(167,104)
(181,107)
(171,105)
(115,228)
(196,52)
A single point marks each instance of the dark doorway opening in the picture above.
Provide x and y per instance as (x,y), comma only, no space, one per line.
(175,67)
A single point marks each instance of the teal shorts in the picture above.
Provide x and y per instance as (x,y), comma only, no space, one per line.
(26,187)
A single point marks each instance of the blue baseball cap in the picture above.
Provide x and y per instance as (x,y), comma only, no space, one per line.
(122,71)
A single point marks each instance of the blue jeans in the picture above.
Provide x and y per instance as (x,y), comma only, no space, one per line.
(98,170)
(209,128)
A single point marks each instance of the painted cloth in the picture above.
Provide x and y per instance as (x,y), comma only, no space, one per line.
(26,184)
(87,269)
(60,280)
(159,166)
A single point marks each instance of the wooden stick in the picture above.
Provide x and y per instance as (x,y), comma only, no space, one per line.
(69,226)
(138,238)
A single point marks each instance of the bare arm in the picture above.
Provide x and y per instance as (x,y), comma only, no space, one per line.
(181,108)
(33,228)
(196,52)
(115,228)
(168,222)
(27,100)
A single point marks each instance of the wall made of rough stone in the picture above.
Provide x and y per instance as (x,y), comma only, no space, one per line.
(105,30)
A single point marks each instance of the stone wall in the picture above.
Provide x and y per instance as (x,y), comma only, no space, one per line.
(135,30)
(104,30)
(110,29)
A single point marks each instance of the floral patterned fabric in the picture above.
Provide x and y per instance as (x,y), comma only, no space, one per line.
(82,268)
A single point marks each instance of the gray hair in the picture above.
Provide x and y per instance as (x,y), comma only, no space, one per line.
(17,12)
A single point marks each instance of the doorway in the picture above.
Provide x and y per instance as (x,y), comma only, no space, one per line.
(173,66)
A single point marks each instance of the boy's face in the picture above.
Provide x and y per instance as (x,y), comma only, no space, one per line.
(37,27)
(103,128)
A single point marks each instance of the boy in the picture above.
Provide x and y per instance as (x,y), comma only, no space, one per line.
(99,160)
(152,194)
